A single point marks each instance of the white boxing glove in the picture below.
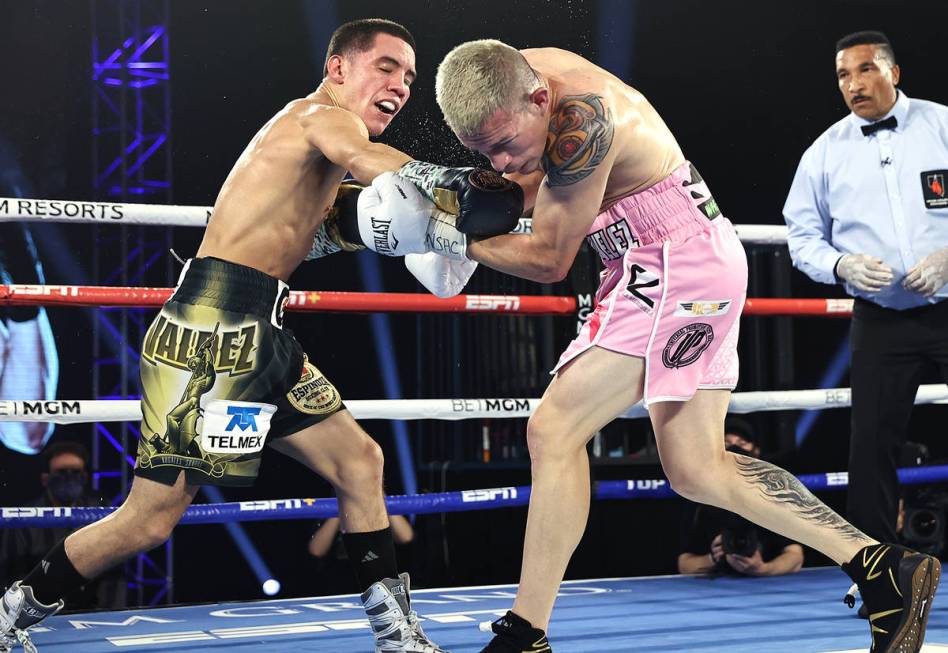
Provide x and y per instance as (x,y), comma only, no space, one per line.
(395,219)
(393,216)
(443,237)
(443,277)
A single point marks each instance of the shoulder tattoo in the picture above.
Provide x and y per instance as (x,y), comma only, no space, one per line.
(579,136)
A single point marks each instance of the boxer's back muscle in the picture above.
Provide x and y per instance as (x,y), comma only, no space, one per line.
(647,150)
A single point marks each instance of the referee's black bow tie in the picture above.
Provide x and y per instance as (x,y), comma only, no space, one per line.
(888,123)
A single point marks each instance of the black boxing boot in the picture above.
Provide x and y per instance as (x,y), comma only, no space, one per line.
(514,634)
(897,587)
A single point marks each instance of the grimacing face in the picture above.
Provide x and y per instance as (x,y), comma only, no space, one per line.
(376,82)
(514,140)
(866,81)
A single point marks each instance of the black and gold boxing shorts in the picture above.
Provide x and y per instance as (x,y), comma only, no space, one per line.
(220,375)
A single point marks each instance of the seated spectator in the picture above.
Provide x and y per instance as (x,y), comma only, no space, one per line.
(65,483)
(720,542)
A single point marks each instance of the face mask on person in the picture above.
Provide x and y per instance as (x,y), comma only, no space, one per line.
(67,485)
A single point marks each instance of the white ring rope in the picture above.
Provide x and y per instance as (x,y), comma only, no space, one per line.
(13,209)
(65,411)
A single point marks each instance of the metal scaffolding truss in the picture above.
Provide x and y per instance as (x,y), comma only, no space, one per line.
(131,159)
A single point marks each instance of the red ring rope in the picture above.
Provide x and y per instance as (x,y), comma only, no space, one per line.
(313,300)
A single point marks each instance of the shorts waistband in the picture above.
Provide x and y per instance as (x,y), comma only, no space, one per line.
(676,208)
(232,287)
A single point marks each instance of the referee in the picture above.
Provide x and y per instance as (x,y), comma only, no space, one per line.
(869,209)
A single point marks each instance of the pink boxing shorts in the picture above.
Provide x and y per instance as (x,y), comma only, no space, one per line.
(672,290)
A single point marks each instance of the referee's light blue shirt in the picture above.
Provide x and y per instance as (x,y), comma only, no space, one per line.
(885,195)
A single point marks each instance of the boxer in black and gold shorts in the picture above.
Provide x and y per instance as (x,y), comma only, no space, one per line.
(220,375)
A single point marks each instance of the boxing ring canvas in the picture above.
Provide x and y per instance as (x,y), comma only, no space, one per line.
(801,613)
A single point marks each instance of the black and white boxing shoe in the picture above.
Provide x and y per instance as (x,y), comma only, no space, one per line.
(396,626)
(19,610)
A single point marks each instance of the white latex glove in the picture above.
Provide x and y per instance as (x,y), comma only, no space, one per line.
(867,273)
(443,277)
(929,275)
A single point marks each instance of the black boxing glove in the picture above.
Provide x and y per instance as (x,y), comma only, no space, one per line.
(486,203)
(340,230)
(19,264)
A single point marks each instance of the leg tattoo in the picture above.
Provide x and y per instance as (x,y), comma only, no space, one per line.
(778,485)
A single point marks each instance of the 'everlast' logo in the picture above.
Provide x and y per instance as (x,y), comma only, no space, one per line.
(172,344)
(381,233)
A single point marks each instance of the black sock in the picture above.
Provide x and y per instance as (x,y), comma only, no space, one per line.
(54,577)
(372,555)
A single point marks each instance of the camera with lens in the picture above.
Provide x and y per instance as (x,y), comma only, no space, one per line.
(739,536)
(925,520)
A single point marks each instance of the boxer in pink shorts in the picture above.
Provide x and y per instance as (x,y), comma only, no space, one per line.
(654,302)
(597,162)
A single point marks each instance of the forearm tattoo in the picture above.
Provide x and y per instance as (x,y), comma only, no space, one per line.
(781,486)
(579,136)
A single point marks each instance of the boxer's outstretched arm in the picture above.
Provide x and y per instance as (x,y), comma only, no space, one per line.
(343,139)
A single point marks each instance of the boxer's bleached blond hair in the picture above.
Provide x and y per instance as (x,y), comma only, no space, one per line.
(479,77)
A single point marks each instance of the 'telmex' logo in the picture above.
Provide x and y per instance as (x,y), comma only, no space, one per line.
(172,344)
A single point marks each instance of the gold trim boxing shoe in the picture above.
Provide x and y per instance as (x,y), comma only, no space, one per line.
(897,586)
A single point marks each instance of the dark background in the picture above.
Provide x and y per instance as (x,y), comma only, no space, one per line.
(746,87)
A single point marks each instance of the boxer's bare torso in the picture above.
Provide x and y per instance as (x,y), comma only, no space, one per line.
(276,196)
(281,189)
(584,141)
(646,152)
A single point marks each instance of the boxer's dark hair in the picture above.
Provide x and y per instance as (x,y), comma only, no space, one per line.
(869,37)
(64,447)
(358,36)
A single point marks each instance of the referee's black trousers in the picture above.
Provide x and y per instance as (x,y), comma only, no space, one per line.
(890,350)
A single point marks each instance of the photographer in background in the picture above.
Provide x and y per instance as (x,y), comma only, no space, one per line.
(720,542)
(65,483)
